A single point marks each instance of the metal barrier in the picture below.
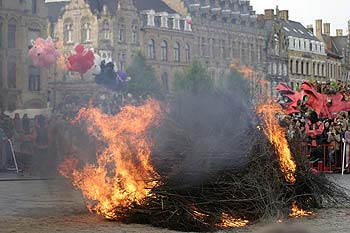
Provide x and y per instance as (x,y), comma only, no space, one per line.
(331,160)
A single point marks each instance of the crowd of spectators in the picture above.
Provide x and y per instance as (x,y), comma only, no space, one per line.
(42,140)
(321,136)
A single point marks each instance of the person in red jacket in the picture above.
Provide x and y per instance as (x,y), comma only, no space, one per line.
(314,129)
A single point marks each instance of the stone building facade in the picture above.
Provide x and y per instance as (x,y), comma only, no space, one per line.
(307,57)
(166,40)
(227,32)
(22,86)
(115,30)
(276,48)
(337,51)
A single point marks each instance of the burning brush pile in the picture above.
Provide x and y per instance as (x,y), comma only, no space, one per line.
(196,163)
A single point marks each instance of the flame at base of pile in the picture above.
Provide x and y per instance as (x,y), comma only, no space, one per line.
(231,222)
(123,175)
(299,213)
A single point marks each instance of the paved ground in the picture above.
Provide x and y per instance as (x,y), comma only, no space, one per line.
(30,205)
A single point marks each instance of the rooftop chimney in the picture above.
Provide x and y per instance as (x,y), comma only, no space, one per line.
(339,32)
(310,27)
(284,15)
(327,29)
(319,29)
(269,14)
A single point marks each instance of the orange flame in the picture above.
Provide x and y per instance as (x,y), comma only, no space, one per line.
(298,213)
(228,221)
(123,174)
(277,137)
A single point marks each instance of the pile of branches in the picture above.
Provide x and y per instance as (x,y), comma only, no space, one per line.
(218,163)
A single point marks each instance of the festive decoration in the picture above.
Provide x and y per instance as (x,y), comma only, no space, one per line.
(81,61)
(309,98)
(43,53)
(95,69)
(111,77)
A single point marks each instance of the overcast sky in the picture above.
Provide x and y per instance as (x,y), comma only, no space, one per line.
(336,12)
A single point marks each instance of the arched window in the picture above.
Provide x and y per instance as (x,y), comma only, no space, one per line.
(188,53)
(34,79)
(318,69)
(11,75)
(151,49)
(121,32)
(68,31)
(134,32)
(176,52)
(11,33)
(302,67)
(105,29)
(297,67)
(291,67)
(164,51)
(86,31)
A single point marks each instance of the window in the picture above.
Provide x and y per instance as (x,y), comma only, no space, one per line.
(121,33)
(11,34)
(176,51)
(86,32)
(302,67)
(33,33)
(176,22)
(297,67)
(188,53)
(11,75)
(105,30)
(164,20)
(34,6)
(134,37)
(274,68)
(151,49)
(134,32)
(150,19)
(164,51)
(68,32)
(34,79)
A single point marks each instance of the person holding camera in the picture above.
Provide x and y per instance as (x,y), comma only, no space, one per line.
(334,138)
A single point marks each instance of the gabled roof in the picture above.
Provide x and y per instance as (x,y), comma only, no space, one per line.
(334,51)
(156,5)
(340,42)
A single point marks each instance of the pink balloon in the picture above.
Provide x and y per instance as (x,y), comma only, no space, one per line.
(43,53)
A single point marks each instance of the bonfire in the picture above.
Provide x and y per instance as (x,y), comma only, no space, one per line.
(179,166)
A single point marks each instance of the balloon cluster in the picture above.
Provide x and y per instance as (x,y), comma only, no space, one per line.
(81,60)
(43,53)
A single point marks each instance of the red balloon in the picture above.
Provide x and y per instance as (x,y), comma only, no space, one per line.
(81,61)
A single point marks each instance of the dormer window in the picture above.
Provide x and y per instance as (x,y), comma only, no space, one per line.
(188,24)
(164,20)
(176,24)
(150,18)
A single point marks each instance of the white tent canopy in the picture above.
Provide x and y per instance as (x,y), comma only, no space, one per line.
(30,112)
